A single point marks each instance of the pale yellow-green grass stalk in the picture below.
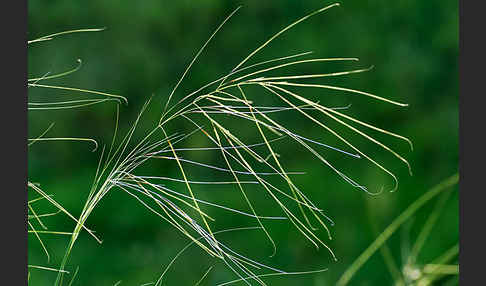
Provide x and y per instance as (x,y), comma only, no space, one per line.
(413,272)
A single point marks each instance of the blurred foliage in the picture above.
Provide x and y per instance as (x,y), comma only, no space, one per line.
(413,46)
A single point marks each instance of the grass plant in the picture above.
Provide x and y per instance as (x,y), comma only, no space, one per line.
(245,165)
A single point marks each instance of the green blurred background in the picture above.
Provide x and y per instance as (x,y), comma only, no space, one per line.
(146,46)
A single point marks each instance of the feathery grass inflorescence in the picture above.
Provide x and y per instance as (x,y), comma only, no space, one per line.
(208,109)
